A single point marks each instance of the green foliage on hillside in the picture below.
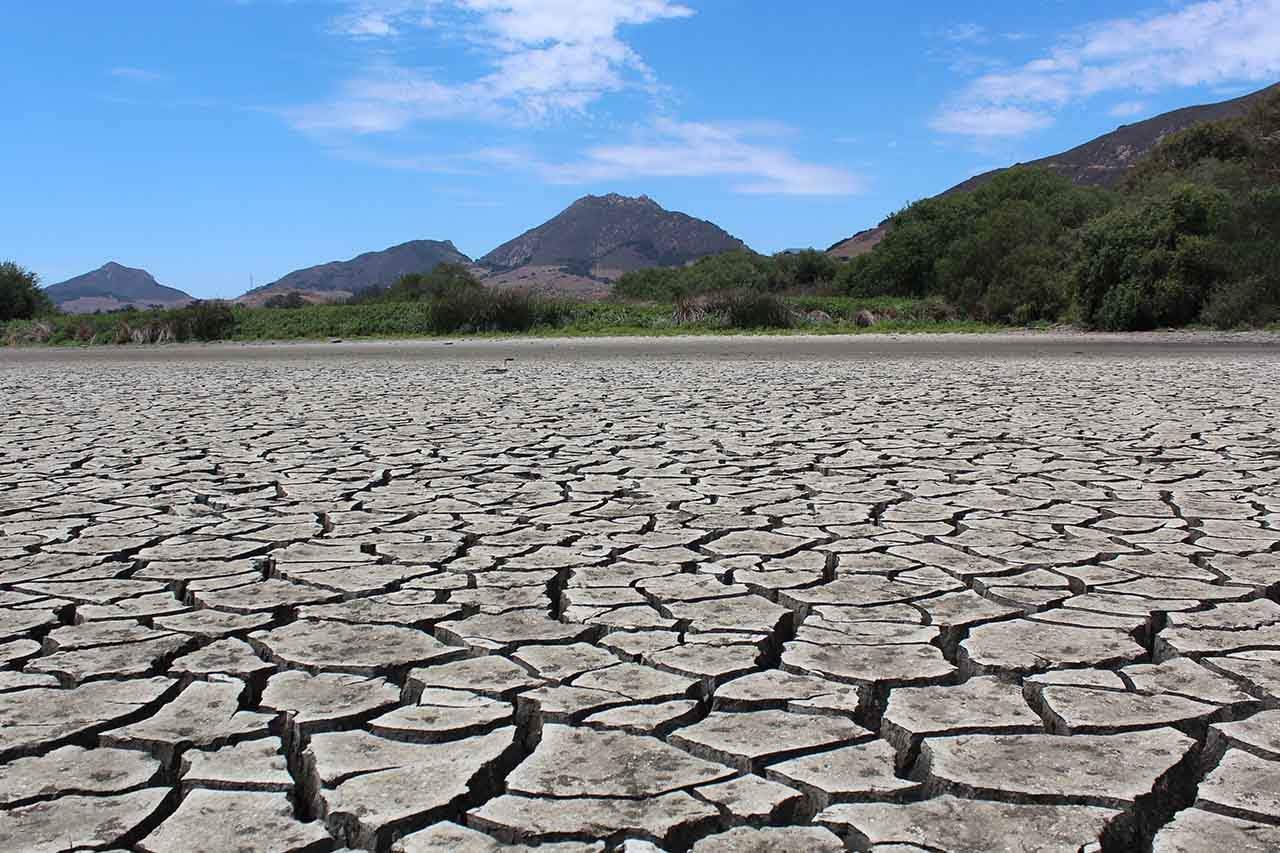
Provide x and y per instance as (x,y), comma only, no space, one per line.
(20,295)
(457,302)
(738,270)
(1001,252)
(1192,237)
(445,280)
(292,299)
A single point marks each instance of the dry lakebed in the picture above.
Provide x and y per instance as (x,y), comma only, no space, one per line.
(954,594)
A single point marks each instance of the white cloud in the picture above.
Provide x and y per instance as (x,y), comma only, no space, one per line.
(966,32)
(1212,42)
(1129,109)
(546,57)
(138,75)
(381,18)
(663,149)
(989,121)
(674,149)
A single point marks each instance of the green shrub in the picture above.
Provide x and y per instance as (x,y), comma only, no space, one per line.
(292,299)
(1253,301)
(1123,309)
(809,271)
(206,321)
(20,295)
(492,311)
(1163,251)
(444,280)
(1181,152)
(751,309)
(805,271)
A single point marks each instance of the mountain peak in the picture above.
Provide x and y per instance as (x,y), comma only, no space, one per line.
(605,236)
(111,286)
(615,200)
(113,268)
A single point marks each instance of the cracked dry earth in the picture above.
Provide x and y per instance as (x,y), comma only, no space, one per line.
(911,605)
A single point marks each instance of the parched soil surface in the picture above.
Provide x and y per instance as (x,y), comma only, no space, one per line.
(512,596)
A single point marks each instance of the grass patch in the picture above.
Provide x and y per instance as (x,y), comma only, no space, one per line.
(486,313)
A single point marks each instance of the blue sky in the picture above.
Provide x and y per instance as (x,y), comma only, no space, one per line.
(214,140)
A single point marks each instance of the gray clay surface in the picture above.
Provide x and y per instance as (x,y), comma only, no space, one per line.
(957,595)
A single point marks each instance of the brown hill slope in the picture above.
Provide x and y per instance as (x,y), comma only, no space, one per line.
(1100,162)
(339,279)
(602,237)
(113,286)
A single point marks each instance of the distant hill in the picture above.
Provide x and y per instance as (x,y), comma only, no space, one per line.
(339,279)
(1100,162)
(598,238)
(578,253)
(111,287)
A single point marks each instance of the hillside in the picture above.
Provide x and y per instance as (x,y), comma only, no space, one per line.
(339,279)
(1100,162)
(111,287)
(1191,236)
(601,237)
(578,253)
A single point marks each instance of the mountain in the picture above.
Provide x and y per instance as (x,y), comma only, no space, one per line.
(113,286)
(598,238)
(578,253)
(1100,162)
(339,279)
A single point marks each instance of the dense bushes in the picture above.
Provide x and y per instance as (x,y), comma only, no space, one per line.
(20,295)
(205,321)
(457,302)
(485,310)
(292,299)
(1001,252)
(512,312)
(793,272)
(752,309)
(200,321)
(1153,261)
(445,280)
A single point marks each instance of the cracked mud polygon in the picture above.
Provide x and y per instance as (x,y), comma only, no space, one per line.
(916,604)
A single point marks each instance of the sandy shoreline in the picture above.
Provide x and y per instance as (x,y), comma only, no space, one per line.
(1020,344)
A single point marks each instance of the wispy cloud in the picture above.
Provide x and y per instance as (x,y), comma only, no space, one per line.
(547,60)
(1129,109)
(989,121)
(382,18)
(746,153)
(545,57)
(138,75)
(1212,42)
(675,149)
(966,33)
